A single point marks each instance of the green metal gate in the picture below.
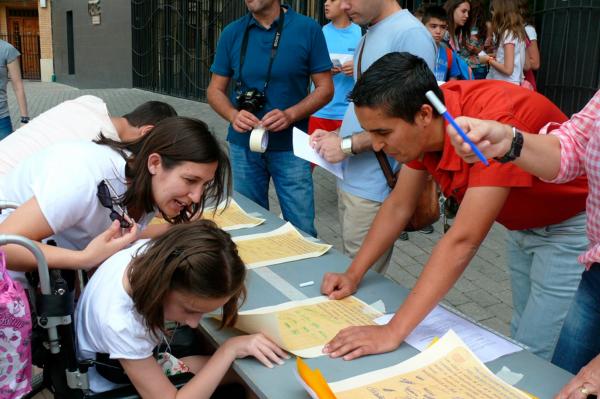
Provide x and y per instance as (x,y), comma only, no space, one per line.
(174,41)
(569,40)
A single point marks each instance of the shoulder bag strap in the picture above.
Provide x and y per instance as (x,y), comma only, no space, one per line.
(384,163)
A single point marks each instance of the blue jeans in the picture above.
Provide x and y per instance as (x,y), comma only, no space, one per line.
(579,340)
(292,179)
(5,127)
(544,276)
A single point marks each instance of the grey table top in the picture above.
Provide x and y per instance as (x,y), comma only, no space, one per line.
(541,378)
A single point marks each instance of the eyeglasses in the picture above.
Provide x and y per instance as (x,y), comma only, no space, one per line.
(109,201)
(449,210)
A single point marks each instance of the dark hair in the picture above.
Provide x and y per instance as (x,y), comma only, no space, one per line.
(176,139)
(478,17)
(419,11)
(462,33)
(196,259)
(397,83)
(525,12)
(149,113)
(437,12)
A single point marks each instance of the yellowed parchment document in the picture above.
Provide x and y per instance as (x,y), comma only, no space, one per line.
(446,370)
(284,244)
(304,327)
(231,217)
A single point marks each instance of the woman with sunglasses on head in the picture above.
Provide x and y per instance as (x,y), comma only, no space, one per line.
(93,199)
(191,270)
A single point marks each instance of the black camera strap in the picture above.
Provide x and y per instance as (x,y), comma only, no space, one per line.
(274,47)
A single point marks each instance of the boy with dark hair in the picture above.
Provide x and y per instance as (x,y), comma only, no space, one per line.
(448,64)
(149,113)
(82,118)
(545,222)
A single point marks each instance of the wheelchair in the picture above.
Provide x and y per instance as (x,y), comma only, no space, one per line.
(54,341)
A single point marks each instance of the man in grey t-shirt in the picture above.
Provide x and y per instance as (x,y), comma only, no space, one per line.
(364,188)
(9,64)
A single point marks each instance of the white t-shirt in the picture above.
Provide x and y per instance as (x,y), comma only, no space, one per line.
(82,118)
(517,75)
(106,320)
(530,32)
(64,179)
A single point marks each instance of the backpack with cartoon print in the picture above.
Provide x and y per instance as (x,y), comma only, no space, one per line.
(15,335)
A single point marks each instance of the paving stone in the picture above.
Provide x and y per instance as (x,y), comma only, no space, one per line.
(455,298)
(497,325)
(482,298)
(501,311)
(474,311)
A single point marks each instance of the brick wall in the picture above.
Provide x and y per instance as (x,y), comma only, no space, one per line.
(45,24)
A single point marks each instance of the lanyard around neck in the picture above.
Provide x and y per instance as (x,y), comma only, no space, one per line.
(274,47)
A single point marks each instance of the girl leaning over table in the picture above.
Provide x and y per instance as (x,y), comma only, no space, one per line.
(191,270)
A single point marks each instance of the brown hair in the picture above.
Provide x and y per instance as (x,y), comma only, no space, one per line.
(525,12)
(195,258)
(462,33)
(176,139)
(507,19)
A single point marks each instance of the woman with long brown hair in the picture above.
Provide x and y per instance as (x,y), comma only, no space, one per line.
(94,198)
(458,23)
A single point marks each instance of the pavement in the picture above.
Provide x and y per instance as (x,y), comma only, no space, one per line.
(483,293)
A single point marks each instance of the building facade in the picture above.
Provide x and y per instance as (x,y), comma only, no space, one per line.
(27,25)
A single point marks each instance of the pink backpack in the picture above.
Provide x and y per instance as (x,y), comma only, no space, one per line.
(15,337)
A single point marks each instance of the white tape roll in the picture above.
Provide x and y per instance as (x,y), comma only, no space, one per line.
(259,139)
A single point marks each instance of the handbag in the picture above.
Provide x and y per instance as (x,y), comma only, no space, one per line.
(427,211)
(15,336)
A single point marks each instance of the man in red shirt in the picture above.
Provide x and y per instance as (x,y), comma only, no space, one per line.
(546,222)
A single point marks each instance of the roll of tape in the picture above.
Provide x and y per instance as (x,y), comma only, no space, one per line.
(259,140)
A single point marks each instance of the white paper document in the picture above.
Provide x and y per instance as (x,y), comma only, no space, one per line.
(302,149)
(485,344)
(338,59)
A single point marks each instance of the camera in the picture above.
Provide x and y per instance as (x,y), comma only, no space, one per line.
(251,100)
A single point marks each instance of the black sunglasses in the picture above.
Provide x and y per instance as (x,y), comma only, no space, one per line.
(107,201)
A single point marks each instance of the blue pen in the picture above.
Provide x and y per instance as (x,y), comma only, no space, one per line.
(437,104)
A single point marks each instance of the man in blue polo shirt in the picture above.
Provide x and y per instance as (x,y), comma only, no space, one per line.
(277,61)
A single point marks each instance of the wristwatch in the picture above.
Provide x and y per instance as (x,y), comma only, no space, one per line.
(346,145)
(24,119)
(515,147)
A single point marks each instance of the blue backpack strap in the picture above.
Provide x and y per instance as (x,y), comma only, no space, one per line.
(449,58)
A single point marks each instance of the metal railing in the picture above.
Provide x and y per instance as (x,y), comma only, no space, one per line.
(174,41)
(569,40)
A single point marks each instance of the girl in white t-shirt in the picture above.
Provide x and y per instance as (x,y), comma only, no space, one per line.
(191,270)
(93,199)
(508,28)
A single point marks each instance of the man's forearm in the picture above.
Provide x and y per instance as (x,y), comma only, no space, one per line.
(444,267)
(361,142)
(310,104)
(540,155)
(219,101)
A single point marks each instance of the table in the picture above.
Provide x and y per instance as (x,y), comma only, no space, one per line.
(541,378)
